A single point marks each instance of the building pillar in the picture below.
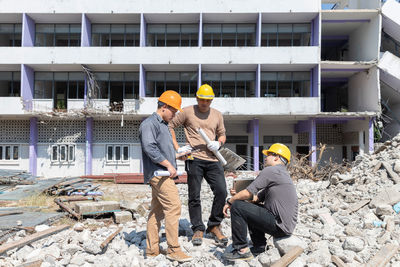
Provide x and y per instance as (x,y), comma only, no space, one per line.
(27,86)
(89,149)
(201,30)
(315,81)
(371,136)
(361,142)
(28,31)
(142,81)
(258,30)
(256,144)
(33,139)
(86,31)
(199,77)
(313,141)
(142,30)
(315,31)
(258,81)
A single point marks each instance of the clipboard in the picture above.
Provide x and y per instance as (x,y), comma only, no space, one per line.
(241,183)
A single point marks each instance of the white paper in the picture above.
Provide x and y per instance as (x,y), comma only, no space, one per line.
(166,173)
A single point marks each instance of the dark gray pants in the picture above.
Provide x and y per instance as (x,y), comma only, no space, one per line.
(259,221)
(214,175)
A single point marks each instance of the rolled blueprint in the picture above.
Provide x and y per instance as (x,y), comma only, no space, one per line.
(166,173)
(216,153)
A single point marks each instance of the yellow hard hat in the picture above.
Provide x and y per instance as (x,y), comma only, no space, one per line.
(171,98)
(205,92)
(279,149)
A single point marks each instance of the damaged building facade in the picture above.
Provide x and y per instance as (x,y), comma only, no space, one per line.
(283,71)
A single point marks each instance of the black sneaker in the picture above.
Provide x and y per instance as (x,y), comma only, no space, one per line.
(237,255)
(257,250)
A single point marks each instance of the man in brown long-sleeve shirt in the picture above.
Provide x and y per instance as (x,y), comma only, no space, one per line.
(204,164)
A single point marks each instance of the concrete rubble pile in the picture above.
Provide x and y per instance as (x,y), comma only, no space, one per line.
(348,219)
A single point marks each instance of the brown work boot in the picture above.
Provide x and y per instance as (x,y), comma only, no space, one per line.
(197,238)
(178,256)
(152,255)
(219,238)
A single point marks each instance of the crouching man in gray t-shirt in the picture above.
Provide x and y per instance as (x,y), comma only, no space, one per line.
(273,209)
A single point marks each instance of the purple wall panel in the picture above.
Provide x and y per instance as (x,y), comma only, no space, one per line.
(258,30)
(313,140)
(199,77)
(33,139)
(28,31)
(256,144)
(86,32)
(142,81)
(371,136)
(142,30)
(27,86)
(315,31)
(315,82)
(258,81)
(201,30)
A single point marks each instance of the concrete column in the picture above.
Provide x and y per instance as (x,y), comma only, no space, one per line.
(142,30)
(361,142)
(199,77)
(201,30)
(28,31)
(86,31)
(313,141)
(33,139)
(371,136)
(27,86)
(89,142)
(142,81)
(258,30)
(258,81)
(315,36)
(256,144)
(315,81)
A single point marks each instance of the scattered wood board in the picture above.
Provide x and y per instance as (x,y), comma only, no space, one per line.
(111,237)
(358,205)
(336,260)
(383,256)
(286,259)
(32,238)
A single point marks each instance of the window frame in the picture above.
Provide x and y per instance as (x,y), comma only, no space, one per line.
(163,81)
(265,92)
(114,155)
(109,33)
(11,148)
(15,33)
(152,40)
(265,42)
(218,85)
(57,148)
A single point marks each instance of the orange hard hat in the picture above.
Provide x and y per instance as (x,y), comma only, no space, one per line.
(171,98)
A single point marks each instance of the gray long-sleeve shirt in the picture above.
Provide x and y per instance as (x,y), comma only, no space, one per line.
(156,142)
(275,188)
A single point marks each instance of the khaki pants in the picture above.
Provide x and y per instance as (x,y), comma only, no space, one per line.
(165,203)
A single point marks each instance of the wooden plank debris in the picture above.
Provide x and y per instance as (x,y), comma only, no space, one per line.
(32,238)
(111,237)
(336,260)
(358,205)
(383,256)
(10,213)
(67,209)
(286,259)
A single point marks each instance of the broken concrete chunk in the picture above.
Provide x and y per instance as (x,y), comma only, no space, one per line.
(389,195)
(122,216)
(94,207)
(377,166)
(326,218)
(354,244)
(396,167)
(384,209)
(395,177)
(285,244)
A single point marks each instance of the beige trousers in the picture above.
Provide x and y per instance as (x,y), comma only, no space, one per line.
(165,203)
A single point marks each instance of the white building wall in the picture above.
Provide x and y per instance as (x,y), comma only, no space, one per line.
(364,93)
(47,168)
(157,6)
(364,43)
(11,105)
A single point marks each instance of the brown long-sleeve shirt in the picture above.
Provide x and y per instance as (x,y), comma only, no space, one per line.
(192,119)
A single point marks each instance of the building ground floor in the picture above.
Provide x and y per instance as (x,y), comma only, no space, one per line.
(54,147)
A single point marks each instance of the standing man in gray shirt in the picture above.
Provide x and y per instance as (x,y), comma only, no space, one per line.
(158,154)
(277,216)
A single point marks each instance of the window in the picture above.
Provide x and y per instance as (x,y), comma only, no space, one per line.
(231,84)
(286,34)
(271,139)
(172,34)
(216,34)
(58,35)
(285,84)
(59,86)
(185,83)
(115,35)
(235,139)
(9,152)
(117,153)
(390,44)
(10,34)
(63,153)
(10,83)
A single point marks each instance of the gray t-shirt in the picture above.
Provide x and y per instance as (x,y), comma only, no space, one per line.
(275,187)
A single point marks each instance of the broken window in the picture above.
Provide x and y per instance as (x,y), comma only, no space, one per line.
(117,153)
(172,34)
(10,34)
(286,34)
(185,83)
(229,34)
(115,35)
(285,84)
(231,84)
(9,152)
(10,83)
(63,153)
(58,35)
